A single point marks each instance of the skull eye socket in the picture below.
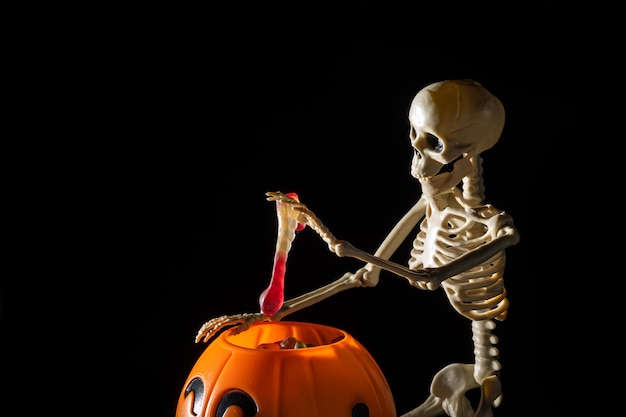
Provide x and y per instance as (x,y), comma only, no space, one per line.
(434,142)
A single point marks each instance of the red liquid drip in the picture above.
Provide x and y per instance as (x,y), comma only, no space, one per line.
(271,300)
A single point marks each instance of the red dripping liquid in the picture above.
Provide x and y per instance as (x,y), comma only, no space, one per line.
(271,300)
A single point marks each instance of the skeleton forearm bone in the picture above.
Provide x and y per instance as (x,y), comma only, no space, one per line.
(345,282)
(343,248)
(434,276)
(241,322)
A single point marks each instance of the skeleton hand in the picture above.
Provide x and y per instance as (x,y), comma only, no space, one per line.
(241,322)
(428,281)
(279,196)
(306,216)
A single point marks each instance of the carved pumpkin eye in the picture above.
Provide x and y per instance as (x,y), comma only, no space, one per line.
(239,399)
(360,410)
(195,387)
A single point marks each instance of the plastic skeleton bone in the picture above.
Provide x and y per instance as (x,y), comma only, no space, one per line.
(460,244)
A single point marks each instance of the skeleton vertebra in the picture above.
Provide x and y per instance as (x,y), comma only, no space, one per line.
(460,244)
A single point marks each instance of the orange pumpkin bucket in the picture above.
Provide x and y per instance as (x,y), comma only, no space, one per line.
(327,373)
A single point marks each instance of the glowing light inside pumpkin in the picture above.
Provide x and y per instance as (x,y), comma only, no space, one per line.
(272,298)
(294,343)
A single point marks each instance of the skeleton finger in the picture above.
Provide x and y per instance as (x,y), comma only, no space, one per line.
(241,322)
(279,196)
(306,216)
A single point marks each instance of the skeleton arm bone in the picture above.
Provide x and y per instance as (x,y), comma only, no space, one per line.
(507,236)
(241,322)
(434,276)
(397,235)
(345,282)
(342,248)
(387,248)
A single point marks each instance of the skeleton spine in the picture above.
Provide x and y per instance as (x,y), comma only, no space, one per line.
(485,352)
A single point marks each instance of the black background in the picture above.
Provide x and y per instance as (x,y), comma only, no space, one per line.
(145,213)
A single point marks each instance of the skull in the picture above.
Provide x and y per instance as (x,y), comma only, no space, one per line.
(451,121)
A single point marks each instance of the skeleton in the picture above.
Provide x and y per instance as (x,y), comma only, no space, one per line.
(459,246)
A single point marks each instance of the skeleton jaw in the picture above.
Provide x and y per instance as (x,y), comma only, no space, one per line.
(441,183)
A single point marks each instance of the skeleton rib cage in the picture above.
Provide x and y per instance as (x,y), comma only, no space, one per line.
(444,235)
